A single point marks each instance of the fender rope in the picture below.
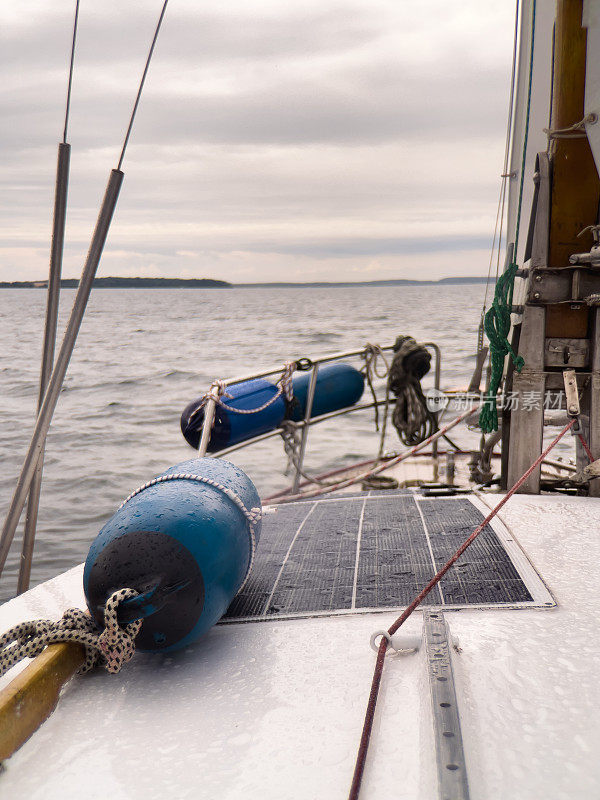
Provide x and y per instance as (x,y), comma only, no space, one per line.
(253,515)
(370,713)
(219,390)
(113,647)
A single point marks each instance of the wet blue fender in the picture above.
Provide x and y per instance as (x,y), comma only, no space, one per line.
(229,427)
(184,545)
(338,386)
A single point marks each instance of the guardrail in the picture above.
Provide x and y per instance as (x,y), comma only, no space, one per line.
(308,421)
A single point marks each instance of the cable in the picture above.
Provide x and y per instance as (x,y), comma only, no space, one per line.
(71,72)
(141,86)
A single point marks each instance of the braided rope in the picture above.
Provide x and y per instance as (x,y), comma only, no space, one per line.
(113,647)
(497,328)
(219,390)
(290,435)
(253,515)
(370,356)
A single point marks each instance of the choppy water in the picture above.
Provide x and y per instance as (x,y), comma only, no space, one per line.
(142,354)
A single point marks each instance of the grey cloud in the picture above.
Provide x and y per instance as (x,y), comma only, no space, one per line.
(240,115)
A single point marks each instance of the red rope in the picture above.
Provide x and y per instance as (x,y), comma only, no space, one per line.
(382,467)
(370,714)
(585,447)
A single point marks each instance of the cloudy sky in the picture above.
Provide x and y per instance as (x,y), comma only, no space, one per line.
(299,140)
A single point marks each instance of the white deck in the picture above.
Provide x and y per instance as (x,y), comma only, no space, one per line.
(274,709)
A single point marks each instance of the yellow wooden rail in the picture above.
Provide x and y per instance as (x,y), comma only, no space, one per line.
(32,696)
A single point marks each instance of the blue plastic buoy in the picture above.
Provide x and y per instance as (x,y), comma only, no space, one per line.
(229,427)
(338,386)
(185,546)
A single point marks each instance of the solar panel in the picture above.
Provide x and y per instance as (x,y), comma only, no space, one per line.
(376,550)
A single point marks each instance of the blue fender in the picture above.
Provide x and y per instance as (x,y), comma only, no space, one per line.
(185,546)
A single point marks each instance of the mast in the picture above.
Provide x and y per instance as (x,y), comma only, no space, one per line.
(575,183)
(559,329)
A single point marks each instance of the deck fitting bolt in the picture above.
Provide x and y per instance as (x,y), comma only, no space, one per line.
(536,295)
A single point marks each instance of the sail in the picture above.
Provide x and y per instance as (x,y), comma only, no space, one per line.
(531,113)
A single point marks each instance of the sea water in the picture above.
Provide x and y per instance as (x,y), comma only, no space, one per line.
(143,354)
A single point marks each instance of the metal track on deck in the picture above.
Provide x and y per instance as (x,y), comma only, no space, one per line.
(450,756)
(375,551)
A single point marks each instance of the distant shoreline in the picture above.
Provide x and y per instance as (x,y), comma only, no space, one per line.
(211,283)
(125,283)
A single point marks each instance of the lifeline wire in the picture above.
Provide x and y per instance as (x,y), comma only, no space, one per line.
(70,84)
(141,86)
(370,714)
(497,319)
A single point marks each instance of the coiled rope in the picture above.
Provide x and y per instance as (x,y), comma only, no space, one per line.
(112,647)
(370,714)
(497,328)
(411,417)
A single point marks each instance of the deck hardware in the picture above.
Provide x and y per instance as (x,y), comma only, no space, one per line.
(571,392)
(586,474)
(592,470)
(562,351)
(452,772)
(402,643)
(593,257)
(573,409)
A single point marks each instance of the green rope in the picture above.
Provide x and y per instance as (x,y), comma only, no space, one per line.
(497,319)
(497,328)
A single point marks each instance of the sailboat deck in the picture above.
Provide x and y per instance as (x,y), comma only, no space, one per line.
(275,709)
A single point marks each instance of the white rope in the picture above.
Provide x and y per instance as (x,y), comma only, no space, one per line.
(292,440)
(575,131)
(370,355)
(253,515)
(219,390)
(114,646)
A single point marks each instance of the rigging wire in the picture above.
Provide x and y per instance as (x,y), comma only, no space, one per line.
(70,84)
(141,86)
(526,134)
(505,176)
(497,320)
